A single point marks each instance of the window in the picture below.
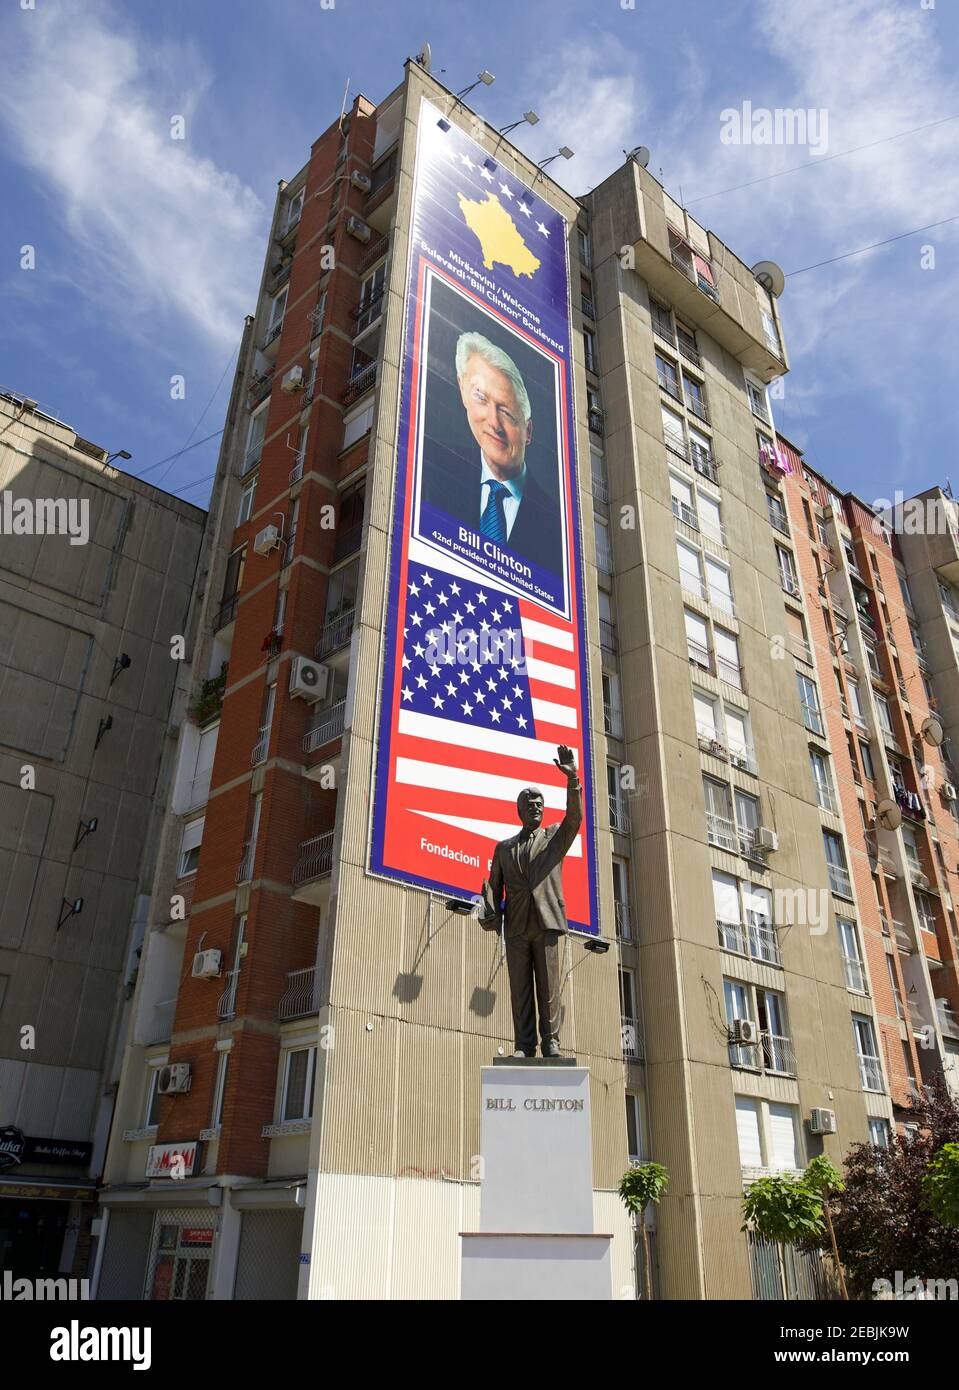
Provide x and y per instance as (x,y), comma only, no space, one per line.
(634,1141)
(277,310)
(318,315)
(697,640)
(199,788)
(370,304)
(867,765)
(770,332)
(695,397)
(836,864)
(254,439)
(872,658)
(294,210)
(668,377)
(357,425)
(618,819)
(690,572)
(341,593)
(604,549)
(757,401)
(747,821)
(686,338)
(787,571)
(879,1133)
(727,658)
(736,725)
(624,925)
(851,955)
(233,578)
(298,1083)
(949,601)
(349,521)
(246,503)
(719,585)
(589,349)
(701,452)
(190,841)
(926,912)
(245,871)
(720,828)
(673,433)
(662,320)
(885,717)
(906,595)
(219,1089)
(870,1069)
(744,918)
(612,710)
(767,1009)
(582,239)
(894,985)
(739,1004)
(777,513)
(809,699)
(710,518)
(705,708)
(822,777)
(153,1099)
(683,503)
(855,701)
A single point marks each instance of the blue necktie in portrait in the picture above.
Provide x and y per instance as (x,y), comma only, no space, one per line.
(493,520)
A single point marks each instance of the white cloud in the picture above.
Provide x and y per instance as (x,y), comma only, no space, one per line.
(161,233)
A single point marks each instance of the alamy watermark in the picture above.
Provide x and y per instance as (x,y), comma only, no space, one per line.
(758,125)
(20,1290)
(901,1288)
(912,516)
(45,516)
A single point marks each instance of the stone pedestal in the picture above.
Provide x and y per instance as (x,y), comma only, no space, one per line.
(536,1237)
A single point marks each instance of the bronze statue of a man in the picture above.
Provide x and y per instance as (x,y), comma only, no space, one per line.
(528,871)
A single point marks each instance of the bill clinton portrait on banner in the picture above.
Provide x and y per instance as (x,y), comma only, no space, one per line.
(490,481)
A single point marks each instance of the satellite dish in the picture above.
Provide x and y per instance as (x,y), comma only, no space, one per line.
(770,276)
(888,814)
(425,57)
(640,156)
(931,731)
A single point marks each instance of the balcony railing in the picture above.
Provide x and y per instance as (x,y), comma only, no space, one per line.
(778,1055)
(826,799)
(588,307)
(315,858)
(374,251)
(596,422)
(687,347)
(812,719)
(697,406)
(839,880)
(854,973)
(335,634)
(870,1073)
(272,333)
(685,514)
(663,329)
(226,612)
(763,941)
(729,672)
(630,1036)
(329,728)
(600,488)
(704,463)
(347,542)
(244,870)
(618,816)
(607,635)
(721,831)
(699,655)
(260,747)
(250,459)
(604,553)
(612,720)
(669,385)
(226,1007)
(300,999)
(359,383)
(732,937)
(368,310)
(790,585)
(777,519)
(624,924)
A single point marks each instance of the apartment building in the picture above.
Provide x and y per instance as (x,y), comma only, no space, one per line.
(97,570)
(298,1105)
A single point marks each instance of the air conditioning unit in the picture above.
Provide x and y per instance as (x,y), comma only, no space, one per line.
(355,226)
(293,380)
(766,840)
(948,791)
(822,1121)
(266,540)
(308,679)
(174,1079)
(206,965)
(744,1031)
(361,181)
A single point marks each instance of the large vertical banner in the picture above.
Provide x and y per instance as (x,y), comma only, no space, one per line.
(484,670)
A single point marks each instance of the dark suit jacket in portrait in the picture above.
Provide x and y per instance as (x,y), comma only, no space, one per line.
(529,871)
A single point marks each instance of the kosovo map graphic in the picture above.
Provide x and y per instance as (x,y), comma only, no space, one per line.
(498,235)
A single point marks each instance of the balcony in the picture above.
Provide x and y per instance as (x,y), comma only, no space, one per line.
(687,347)
(663,328)
(226,612)
(704,463)
(670,385)
(697,406)
(359,383)
(588,307)
(624,924)
(612,720)
(839,880)
(618,816)
(374,252)
(368,311)
(778,1055)
(329,728)
(347,542)
(259,388)
(270,344)
(630,1036)
(607,635)
(600,488)
(301,997)
(314,859)
(336,633)
(721,832)
(870,1073)
(763,941)
(250,459)
(777,519)
(158,1028)
(732,937)
(296,472)
(226,1007)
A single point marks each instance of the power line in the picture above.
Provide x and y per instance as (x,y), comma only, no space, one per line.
(179,453)
(860,250)
(815,163)
(202,413)
(189,486)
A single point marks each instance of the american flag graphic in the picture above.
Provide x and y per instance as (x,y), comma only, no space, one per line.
(488,689)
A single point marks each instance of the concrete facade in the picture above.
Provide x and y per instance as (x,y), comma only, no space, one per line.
(86,680)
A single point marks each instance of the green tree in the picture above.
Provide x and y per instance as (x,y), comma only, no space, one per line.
(637,1188)
(823,1177)
(940,1183)
(784,1210)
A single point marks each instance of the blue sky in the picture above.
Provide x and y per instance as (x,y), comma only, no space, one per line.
(149,250)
